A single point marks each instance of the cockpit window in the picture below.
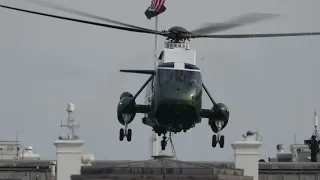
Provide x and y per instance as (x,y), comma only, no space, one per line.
(165,76)
(179,76)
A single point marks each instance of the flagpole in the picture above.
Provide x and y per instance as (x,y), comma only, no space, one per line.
(156,36)
(156,41)
(156,143)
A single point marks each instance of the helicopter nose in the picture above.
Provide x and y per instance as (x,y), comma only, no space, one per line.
(178,93)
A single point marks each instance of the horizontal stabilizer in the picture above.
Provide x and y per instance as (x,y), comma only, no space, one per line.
(138,71)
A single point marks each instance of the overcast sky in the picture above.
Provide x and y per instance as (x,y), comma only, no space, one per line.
(269,84)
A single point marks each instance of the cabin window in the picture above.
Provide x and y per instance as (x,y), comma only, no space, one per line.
(179,76)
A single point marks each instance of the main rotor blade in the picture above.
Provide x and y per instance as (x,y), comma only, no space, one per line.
(85,22)
(257,35)
(80,13)
(237,22)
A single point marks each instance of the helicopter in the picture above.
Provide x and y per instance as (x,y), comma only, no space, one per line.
(173,100)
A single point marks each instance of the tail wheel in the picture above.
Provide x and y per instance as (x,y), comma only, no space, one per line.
(214,140)
(129,135)
(121,134)
(221,141)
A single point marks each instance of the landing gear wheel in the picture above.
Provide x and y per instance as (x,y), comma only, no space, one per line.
(163,145)
(214,140)
(163,142)
(121,134)
(221,141)
(129,135)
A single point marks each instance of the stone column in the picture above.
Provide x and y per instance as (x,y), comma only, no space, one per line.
(246,155)
(68,158)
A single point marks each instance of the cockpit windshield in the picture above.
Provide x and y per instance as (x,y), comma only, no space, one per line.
(179,76)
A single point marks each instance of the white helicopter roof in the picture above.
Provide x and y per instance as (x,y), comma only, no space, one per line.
(178,53)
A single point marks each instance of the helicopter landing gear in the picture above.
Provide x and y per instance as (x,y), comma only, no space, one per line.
(125,132)
(163,142)
(218,139)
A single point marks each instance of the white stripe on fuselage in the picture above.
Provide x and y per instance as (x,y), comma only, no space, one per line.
(179,66)
(179,69)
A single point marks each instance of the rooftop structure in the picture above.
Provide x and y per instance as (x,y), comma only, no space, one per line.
(27,169)
(165,167)
(162,168)
(10,149)
(69,149)
(298,152)
(28,154)
(73,164)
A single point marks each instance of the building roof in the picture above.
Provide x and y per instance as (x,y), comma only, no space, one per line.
(17,165)
(154,168)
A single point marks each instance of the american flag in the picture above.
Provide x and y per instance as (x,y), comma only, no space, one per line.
(157,4)
(157,7)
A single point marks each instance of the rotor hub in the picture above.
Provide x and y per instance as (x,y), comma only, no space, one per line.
(178,34)
(178,29)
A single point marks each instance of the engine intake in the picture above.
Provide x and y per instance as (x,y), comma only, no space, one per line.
(220,117)
(126,94)
(126,109)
